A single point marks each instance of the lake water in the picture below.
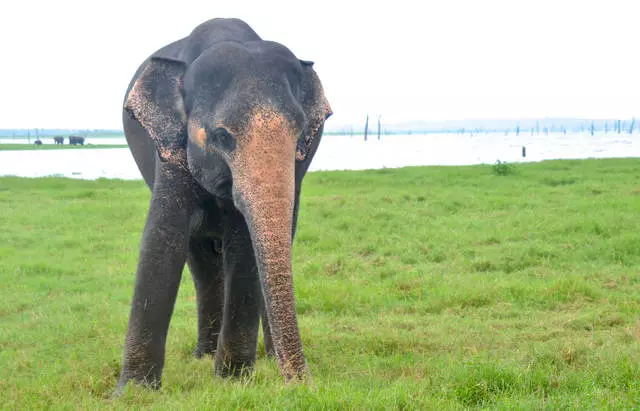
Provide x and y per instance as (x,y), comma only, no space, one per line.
(346,153)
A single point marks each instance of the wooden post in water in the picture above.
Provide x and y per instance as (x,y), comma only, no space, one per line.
(592,127)
(633,123)
(366,128)
(606,127)
(378,127)
(618,126)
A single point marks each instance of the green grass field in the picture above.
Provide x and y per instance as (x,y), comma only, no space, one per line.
(417,288)
(47,146)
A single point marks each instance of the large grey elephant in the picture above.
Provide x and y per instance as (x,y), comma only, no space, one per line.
(223,126)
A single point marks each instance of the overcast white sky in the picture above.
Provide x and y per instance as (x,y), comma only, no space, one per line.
(67,63)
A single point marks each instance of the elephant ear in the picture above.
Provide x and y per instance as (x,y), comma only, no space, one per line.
(156,102)
(317,109)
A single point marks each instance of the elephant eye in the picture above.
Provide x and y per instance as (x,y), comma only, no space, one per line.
(222,139)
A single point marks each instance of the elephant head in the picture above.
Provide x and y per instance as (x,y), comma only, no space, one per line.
(244,121)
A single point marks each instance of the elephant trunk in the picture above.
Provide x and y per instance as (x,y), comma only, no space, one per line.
(263,190)
(271,235)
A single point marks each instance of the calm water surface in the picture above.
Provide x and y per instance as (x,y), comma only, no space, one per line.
(346,153)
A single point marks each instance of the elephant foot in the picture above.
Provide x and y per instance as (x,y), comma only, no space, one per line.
(204,349)
(235,368)
(150,380)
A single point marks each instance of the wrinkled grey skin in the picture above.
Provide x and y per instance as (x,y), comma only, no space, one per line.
(223,127)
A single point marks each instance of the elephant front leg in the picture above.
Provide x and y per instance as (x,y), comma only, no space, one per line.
(163,253)
(237,343)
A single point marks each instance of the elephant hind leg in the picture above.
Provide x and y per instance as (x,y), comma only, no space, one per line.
(238,341)
(266,332)
(205,263)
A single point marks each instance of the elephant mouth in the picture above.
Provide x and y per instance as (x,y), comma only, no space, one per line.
(222,189)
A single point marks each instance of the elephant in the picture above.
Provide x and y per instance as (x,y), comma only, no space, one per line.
(223,126)
(58,140)
(75,140)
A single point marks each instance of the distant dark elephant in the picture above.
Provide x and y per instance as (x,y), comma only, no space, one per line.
(74,140)
(58,139)
(223,126)
(37,142)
